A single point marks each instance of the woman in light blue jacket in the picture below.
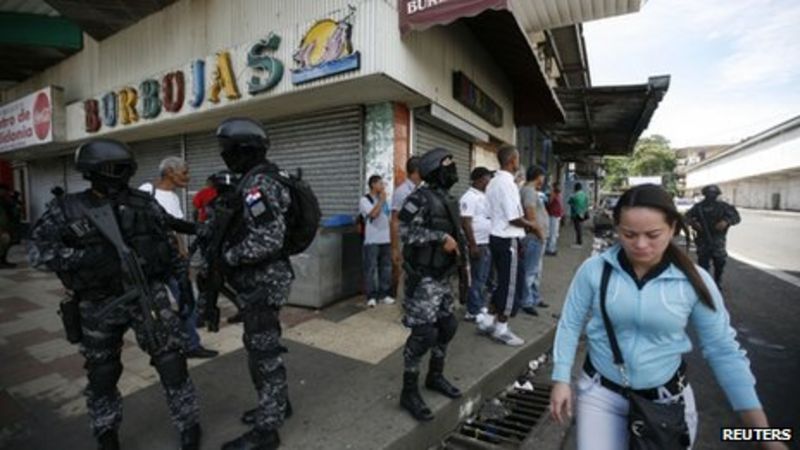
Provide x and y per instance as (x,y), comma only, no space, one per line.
(654,292)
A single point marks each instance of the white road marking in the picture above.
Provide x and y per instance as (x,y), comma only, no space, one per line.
(777,273)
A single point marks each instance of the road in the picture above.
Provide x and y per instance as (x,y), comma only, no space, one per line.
(768,237)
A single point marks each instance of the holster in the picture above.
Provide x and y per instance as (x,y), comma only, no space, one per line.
(70,313)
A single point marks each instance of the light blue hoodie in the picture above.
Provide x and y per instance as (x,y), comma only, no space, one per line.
(651,329)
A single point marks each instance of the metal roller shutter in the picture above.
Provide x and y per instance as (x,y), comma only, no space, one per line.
(149,154)
(328,147)
(429,136)
(44,175)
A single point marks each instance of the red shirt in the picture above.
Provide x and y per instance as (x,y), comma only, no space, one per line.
(554,206)
(202,199)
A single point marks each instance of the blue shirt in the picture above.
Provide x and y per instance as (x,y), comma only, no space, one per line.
(650,323)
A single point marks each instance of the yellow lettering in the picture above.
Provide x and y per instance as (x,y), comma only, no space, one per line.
(223,79)
(127,106)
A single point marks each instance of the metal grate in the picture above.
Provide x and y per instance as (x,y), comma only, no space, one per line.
(508,419)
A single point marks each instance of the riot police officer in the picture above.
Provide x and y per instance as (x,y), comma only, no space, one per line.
(711,219)
(433,242)
(69,240)
(260,272)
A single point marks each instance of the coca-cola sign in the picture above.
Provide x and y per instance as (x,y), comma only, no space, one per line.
(28,121)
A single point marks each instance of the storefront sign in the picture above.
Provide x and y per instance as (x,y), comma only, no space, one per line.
(164,95)
(470,95)
(417,15)
(30,120)
(326,49)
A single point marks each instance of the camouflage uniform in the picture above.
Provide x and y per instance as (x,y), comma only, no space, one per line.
(429,298)
(54,248)
(711,242)
(262,277)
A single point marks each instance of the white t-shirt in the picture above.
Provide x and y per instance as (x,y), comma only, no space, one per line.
(401,193)
(504,205)
(474,205)
(168,200)
(376,230)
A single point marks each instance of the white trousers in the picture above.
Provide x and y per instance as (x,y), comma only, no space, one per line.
(552,234)
(602,415)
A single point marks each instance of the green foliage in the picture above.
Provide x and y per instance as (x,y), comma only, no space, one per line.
(652,156)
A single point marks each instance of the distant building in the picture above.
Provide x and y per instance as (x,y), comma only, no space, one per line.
(689,156)
(762,171)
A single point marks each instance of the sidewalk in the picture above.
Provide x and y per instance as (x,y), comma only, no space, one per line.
(344,365)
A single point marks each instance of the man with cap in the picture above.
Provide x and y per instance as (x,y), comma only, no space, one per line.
(260,272)
(711,219)
(433,242)
(477,223)
(71,240)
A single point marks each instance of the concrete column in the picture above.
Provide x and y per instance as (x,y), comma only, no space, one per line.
(379,145)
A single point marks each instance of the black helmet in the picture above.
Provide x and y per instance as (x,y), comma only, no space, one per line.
(434,173)
(431,161)
(243,143)
(106,161)
(711,191)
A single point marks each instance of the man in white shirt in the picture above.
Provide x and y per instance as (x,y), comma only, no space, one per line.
(402,192)
(175,175)
(377,257)
(477,224)
(508,229)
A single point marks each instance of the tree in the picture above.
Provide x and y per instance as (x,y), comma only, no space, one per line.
(652,156)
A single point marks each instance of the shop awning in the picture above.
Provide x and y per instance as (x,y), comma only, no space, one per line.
(605,120)
(496,27)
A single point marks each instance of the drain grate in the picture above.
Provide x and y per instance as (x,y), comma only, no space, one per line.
(506,421)
(522,411)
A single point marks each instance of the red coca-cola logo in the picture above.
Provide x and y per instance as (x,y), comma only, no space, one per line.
(41,116)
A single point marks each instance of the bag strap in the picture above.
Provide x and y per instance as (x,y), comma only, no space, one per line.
(612,336)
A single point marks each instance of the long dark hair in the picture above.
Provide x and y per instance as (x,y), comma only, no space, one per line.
(653,196)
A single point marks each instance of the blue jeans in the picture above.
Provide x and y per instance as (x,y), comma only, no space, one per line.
(190,324)
(480,268)
(534,251)
(378,270)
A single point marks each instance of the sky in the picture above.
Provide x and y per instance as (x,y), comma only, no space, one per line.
(735,64)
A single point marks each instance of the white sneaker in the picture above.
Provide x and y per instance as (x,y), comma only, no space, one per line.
(505,336)
(388,300)
(485,323)
(470,317)
(371,303)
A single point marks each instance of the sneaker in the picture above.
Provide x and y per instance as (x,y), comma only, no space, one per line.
(388,300)
(485,323)
(551,253)
(507,337)
(577,246)
(470,317)
(543,305)
(530,310)
(372,303)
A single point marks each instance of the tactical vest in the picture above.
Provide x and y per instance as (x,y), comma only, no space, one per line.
(432,259)
(140,229)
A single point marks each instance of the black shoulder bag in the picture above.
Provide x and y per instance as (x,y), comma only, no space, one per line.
(652,426)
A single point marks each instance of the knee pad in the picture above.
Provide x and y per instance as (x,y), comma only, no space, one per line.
(447,328)
(171,368)
(424,336)
(104,375)
(259,319)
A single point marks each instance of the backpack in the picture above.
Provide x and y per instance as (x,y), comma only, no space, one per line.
(304,214)
(361,223)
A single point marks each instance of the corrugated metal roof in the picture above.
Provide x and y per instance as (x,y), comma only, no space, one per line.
(539,15)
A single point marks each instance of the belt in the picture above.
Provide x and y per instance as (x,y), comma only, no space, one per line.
(675,385)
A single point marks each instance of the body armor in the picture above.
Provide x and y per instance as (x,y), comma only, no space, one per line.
(432,259)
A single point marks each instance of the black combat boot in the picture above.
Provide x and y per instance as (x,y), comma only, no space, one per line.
(249,416)
(411,400)
(190,437)
(436,381)
(255,440)
(108,440)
